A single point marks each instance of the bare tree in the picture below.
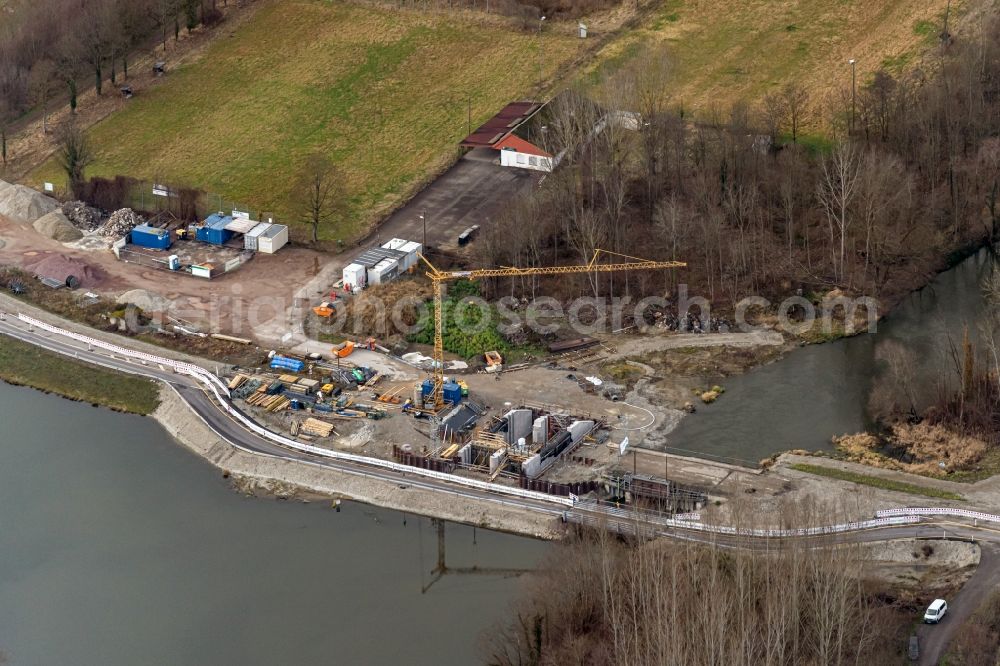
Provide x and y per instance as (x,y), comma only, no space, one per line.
(775,115)
(5,113)
(43,82)
(95,38)
(74,156)
(319,192)
(837,190)
(796,99)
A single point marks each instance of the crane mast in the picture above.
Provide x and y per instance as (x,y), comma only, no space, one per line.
(439,277)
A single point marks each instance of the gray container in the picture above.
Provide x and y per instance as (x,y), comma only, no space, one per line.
(250,237)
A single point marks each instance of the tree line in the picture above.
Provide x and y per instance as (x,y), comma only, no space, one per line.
(753,203)
(51,47)
(599,600)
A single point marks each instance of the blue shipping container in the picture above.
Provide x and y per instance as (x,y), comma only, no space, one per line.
(147,236)
(452,393)
(214,230)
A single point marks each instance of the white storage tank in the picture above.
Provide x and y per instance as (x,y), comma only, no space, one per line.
(250,238)
(272,239)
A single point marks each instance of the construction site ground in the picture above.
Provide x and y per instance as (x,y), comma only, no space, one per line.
(193,253)
(767,494)
(262,298)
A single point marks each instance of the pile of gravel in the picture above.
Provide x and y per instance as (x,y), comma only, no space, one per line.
(82,216)
(121,222)
(23,204)
(55,225)
(147,301)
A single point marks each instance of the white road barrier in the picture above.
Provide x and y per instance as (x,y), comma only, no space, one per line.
(215,384)
(940,511)
(690,522)
(625,516)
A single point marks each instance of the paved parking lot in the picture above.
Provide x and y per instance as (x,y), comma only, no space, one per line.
(472,191)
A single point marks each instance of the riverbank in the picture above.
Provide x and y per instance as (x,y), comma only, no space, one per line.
(293,479)
(22,364)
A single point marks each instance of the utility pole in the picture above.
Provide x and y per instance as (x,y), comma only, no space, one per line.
(423,221)
(468,125)
(945,35)
(541,22)
(853,63)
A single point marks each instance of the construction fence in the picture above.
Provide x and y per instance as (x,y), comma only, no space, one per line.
(186,203)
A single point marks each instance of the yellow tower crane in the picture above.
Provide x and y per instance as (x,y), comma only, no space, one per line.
(439,277)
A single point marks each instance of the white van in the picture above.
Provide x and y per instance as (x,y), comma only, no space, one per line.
(936,611)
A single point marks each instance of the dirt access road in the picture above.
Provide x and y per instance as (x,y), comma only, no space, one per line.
(935,638)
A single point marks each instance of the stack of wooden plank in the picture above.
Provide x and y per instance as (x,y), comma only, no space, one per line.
(270,403)
(238,381)
(288,380)
(316,428)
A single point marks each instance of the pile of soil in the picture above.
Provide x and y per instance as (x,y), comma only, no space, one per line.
(82,216)
(23,204)
(57,226)
(59,267)
(147,301)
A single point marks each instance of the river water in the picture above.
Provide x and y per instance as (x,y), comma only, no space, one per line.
(117,546)
(822,391)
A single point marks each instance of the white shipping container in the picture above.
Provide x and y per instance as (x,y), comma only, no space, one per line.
(354,275)
(250,239)
(412,249)
(394,244)
(383,271)
(273,239)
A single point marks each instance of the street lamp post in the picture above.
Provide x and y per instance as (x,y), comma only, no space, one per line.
(853,63)
(423,221)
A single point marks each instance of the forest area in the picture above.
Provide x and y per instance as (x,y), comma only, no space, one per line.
(906,183)
(50,49)
(601,600)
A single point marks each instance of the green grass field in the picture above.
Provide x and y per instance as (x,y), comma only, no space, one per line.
(28,365)
(383,92)
(731,50)
(876,481)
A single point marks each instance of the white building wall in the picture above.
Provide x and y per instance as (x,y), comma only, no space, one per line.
(512,158)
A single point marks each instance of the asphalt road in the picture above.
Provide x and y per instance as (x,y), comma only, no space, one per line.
(235,434)
(933,639)
(472,191)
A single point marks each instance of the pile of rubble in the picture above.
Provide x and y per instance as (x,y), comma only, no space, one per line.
(82,216)
(121,222)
